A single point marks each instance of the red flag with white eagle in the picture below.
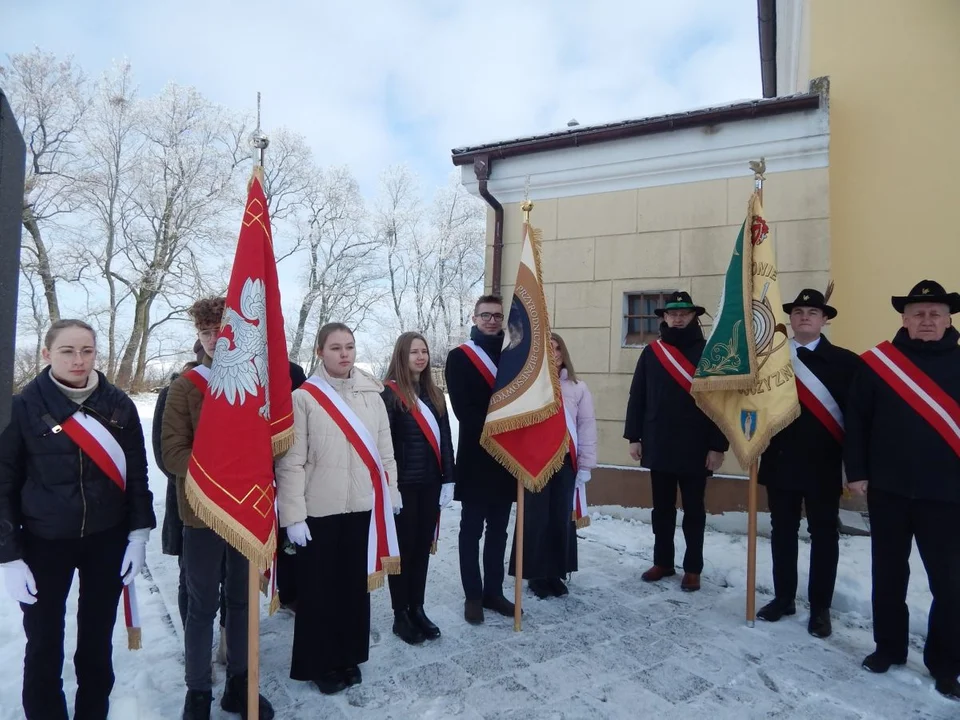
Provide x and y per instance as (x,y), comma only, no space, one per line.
(247,414)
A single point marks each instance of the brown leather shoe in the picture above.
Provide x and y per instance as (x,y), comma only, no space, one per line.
(690,582)
(657,573)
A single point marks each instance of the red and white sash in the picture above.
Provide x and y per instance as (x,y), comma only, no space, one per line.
(102,448)
(675,363)
(816,398)
(580,516)
(478,356)
(383,550)
(430,428)
(918,390)
(199,376)
(425,418)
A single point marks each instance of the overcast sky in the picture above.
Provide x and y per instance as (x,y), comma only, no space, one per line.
(372,83)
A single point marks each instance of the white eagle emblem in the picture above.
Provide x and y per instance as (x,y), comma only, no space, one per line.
(241,369)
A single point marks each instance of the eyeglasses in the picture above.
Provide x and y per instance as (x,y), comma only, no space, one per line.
(83,354)
(487,317)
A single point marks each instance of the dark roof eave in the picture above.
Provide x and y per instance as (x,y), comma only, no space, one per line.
(634,128)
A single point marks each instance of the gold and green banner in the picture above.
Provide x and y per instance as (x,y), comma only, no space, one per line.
(744,381)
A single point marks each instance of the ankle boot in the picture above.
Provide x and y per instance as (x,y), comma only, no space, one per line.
(234,698)
(196,705)
(420,619)
(404,628)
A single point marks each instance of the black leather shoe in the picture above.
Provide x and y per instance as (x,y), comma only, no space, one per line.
(330,682)
(558,587)
(776,609)
(404,628)
(541,588)
(473,612)
(948,687)
(196,705)
(352,676)
(500,605)
(420,619)
(877,662)
(234,698)
(819,625)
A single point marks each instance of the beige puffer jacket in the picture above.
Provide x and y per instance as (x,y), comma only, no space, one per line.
(322,474)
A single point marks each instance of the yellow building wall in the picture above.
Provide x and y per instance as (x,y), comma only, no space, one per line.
(894,68)
(598,247)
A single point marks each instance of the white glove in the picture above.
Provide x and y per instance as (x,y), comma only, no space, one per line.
(19,581)
(446,494)
(398,506)
(583,477)
(135,556)
(299,533)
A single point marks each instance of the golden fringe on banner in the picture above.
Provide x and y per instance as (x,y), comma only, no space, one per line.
(134,638)
(224,525)
(530,482)
(282,441)
(274,604)
(581,522)
(433,548)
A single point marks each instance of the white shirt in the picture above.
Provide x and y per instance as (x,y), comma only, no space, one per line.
(811,346)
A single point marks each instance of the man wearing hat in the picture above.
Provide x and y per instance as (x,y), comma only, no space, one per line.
(672,437)
(803,465)
(903,452)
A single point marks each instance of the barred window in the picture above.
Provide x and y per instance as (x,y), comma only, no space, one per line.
(640,325)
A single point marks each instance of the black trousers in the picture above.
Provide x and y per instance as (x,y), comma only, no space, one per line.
(286,571)
(332,626)
(692,489)
(546,528)
(496,515)
(894,523)
(822,512)
(204,555)
(416,525)
(182,593)
(98,559)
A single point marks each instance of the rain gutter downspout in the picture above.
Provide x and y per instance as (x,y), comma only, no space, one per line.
(481,168)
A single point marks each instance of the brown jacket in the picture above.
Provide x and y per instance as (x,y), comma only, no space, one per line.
(180,419)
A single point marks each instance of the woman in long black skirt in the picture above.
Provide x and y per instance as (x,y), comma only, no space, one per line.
(549,534)
(325,498)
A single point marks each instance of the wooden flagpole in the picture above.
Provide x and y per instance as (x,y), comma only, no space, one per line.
(518,541)
(260,143)
(253,643)
(752,545)
(518,526)
(758,170)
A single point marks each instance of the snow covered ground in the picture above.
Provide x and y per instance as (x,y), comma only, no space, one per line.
(615,648)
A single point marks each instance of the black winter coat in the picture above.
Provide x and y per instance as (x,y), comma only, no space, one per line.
(416,459)
(479,478)
(675,433)
(804,455)
(52,489)
(888,443)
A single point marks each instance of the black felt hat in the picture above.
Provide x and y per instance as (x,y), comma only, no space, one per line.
(811,299)
(679,301)
(927,291)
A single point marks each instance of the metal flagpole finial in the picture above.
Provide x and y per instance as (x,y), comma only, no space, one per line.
(258,139)
(527,205)
(759,167)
